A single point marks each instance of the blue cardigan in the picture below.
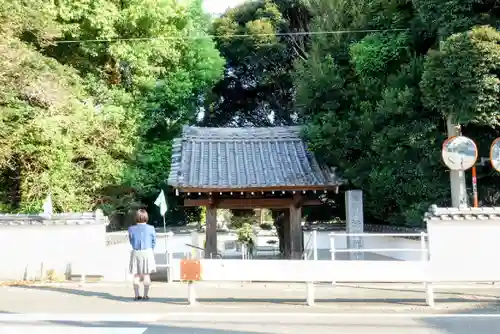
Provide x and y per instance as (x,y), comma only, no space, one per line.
(142,236)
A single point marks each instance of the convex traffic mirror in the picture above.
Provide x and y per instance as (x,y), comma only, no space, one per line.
(495,154)
(460,153)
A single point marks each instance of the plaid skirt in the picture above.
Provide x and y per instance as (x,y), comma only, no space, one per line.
(142,262)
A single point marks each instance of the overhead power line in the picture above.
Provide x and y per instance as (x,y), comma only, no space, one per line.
(303,33)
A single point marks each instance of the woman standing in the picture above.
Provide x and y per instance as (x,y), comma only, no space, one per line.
(142,238)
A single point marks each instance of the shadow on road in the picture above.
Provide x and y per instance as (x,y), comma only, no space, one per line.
(463,293)
(467,321)
(103,295)
(283,301)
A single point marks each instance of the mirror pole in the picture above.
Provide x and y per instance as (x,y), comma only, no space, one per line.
(474,187)
(457,178)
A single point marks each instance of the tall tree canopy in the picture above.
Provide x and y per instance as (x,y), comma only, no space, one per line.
(257,88)
(374,103)
(372,83)
(94,91)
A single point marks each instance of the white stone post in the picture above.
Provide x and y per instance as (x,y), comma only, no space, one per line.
(168,256)
(191,294)
(310,294)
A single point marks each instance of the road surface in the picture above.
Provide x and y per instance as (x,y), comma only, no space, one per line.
(253,323)
(248,309)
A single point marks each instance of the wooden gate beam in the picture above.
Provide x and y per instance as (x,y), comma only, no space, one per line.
(252,203)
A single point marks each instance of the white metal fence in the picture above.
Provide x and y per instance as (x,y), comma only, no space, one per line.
(386,249)
(422,269)
(423,249)
(310,248)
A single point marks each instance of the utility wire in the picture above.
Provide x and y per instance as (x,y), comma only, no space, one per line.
(303,33)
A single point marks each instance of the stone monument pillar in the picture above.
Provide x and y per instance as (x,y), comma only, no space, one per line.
(354,222)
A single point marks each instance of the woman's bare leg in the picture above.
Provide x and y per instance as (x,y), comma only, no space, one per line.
(147,284)
(137,280)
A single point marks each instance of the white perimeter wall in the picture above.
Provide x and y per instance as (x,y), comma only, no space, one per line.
(24,249)
(463,241)
(83,249)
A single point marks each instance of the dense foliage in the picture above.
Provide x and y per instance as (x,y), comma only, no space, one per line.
(373,85)
(92,94)
(94,91)
(257,89)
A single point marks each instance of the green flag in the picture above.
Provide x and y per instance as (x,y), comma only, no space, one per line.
(161,203)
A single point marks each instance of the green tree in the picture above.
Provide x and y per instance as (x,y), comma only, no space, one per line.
(52,137)
(374,102)
(362,108)
(462,80)
(134,73)
(257,88)
(463,77)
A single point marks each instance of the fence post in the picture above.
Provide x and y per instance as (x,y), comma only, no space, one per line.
(315,245)
(429,295)
(42,273)
(168,257)
(191,294)
(83,276)
(170,269)
(423,247)
(332,249)
(332,246)
(424,257)
(310,294)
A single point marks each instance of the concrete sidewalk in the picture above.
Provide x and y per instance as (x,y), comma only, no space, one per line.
(246,297)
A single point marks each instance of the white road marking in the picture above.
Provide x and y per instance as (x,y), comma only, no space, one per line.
(72,330)
(325,315)
(138,317)
(102,317)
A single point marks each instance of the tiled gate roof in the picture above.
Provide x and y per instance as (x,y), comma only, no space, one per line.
(237,158)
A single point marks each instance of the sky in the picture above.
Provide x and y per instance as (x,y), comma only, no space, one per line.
(219,6)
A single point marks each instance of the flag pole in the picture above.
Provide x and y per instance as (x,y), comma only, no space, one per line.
(161,202)
(165,232)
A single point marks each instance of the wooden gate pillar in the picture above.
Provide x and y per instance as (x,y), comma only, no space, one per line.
(295,233)
(211,232)
(285,225)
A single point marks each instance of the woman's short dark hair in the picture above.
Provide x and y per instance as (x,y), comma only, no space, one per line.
(141,216)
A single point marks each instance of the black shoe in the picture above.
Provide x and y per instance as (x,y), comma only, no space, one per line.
(138,298)
(145,298)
